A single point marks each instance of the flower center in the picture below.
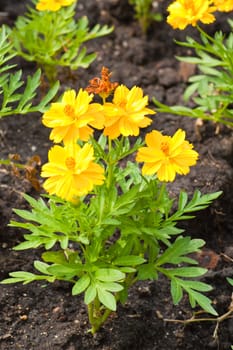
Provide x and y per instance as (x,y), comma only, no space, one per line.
(165,148)
(70,163)
(69,111)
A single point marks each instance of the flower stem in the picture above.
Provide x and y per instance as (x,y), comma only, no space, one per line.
(110,164)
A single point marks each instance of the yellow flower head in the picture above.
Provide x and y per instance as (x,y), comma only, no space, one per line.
(126,114)
(71,118)
(71,171)
(224,5)
(185,12)
(166,155)
(52,5)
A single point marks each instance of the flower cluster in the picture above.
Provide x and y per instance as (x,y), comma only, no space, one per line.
(188,12)
(71,170)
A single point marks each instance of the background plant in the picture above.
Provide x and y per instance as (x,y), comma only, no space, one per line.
(55,39)
(144,13)
(210,91)
(122,230)
(16,97)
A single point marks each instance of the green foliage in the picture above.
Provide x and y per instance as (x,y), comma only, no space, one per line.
(116,237)
(55,39)
(144,13)
(212,88)
(230,281)
(17,96)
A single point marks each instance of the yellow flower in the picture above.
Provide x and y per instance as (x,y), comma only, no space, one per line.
(53,5)
(166,155)
(72,117)
(71,171)
(185,12)
(224,5)
(126,114)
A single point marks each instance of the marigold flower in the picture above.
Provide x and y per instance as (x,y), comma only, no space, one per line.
(72,117)
(71,171)
(102,86)
(126,114)
(224,5)
(52,5)
(166,155)
(185,12)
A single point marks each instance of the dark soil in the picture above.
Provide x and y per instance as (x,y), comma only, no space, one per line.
(40,316)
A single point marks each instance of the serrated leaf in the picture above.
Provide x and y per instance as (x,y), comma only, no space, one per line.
(48,97)
(181,246)
(204,302)
(30,90)
(147,272)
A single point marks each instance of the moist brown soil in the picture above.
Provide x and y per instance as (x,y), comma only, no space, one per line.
(42,316)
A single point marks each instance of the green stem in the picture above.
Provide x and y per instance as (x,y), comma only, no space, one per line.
(11,162)
(110,164)
(161,192)
(205,34)
(96,316)
(95,320)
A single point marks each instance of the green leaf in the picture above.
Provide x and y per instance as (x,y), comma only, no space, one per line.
(19,276)
(127,269)
(28,245)
(90,294)
(45,100)
(61,256)
(182,246)
(200,286)
(230,280)
(106,298)
(203,301)
(188,271)
(129,260)
(111,286)
(81,285)
(109,275)
(176,291)
(41,266)
(147,272)
(63,270)
(183,198)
